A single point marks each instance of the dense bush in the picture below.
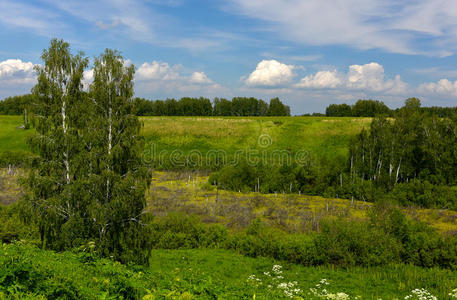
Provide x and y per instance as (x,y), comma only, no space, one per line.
(266,178)
(17,223)
(387,237)
(184,232)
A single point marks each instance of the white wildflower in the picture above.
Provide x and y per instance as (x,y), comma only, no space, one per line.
(421,294)
(277,269)
(453,293)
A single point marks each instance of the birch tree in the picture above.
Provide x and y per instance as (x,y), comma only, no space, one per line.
(122,179)
(57,93)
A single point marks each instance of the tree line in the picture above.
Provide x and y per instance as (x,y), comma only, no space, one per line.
(373,108)
(186,106)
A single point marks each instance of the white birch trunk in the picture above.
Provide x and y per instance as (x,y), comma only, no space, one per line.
(65,153)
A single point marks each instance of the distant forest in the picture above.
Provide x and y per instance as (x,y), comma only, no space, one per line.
(238,106)
(186,106)
(373,108)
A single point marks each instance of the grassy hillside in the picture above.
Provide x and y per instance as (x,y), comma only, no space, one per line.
(28,272)
(11,137)
(318,136)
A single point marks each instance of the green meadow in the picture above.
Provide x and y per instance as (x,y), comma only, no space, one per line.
(318,136)
(13,138)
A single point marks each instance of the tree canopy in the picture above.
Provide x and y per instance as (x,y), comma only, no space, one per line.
(89,183)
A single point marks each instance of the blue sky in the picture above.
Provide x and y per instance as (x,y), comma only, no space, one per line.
(310,53)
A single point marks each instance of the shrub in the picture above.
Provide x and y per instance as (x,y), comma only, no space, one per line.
(345,243)
(178,231)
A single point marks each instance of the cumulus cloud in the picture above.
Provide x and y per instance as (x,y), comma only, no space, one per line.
(443,87)
(172,81)
(157,71)
(371,77)
(321,80)
(17,72)
(88,77)
(271,73)
(368,77)
(200,78)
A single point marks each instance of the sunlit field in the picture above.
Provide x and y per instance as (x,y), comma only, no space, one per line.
(317,136)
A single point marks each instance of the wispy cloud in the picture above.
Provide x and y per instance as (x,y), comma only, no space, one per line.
(398,27)
(29,17)
(299,58)
(436,72)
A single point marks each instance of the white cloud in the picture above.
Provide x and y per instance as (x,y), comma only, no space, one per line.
(17,72)
(321,80)
(443,87)
(88,77)
(270,73)
(436,72)
(200,78)
(157,71)
(392,25)
(109,25)
(368,77)
(166,80)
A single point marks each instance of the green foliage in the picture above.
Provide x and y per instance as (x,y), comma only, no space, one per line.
(16,158)
(17,223)
(362,108)
(27,272)
(411,157)
(338,110)
(89,182)
(347,243)
(178,231)
(265,178)
(387,238)
(16,105)
(186,106)
(277,108)
(369,108)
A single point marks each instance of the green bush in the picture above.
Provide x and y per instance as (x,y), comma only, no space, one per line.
(14,225)
(346,243)
(424,194)
(178,231)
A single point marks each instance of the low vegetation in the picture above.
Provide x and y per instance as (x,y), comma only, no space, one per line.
(27,272)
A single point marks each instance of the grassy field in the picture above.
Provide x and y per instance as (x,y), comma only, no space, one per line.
(190,193)
(11,137)
(319,136)
(28,272)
